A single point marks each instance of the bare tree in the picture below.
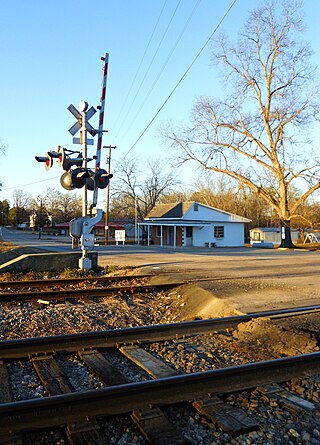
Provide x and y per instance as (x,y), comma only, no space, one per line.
(21,199)
(176,195)
(21,204)
(61,207)
(255,135)
(141,184)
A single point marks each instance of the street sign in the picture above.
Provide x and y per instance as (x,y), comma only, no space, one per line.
(120,236)
(79,141)
(76,127)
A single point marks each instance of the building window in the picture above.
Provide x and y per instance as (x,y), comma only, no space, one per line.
(218,231)
(189,232)
(256,236)
(195,207)
(158,231)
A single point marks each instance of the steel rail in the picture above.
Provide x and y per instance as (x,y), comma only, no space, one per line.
(16,417)
(64,294)
(63,281)
(19,348)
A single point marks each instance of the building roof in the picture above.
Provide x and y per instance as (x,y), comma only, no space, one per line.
(170,210)
(178,210)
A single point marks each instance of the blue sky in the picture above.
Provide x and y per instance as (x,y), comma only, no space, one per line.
(51,51)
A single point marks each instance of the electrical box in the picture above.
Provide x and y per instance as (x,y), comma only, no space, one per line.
(87,241)
(76,225)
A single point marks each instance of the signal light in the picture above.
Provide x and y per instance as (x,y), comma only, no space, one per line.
(48,159)
(76,179)
(79,177)
(101,178)
(65,161)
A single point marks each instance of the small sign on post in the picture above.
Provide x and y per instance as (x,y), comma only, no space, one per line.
(120,236)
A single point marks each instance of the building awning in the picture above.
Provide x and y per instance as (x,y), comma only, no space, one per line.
(176,224)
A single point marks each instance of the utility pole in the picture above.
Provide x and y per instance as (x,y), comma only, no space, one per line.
(136,233)
(40,219)
(106,232)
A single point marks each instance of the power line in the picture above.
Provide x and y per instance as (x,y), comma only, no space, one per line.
(141,61)
(150,64)
(165,64)
(183,76)
(26,185)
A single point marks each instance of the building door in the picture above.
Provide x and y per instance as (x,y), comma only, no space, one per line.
(189,234)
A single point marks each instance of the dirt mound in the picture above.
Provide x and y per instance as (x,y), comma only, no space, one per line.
(199,303)
(265,334)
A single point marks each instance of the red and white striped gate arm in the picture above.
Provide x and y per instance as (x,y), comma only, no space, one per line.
(105,59)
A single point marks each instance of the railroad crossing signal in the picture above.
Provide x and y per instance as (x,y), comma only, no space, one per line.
(78,125)
(77,174)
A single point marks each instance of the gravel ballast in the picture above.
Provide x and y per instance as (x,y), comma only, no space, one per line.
(278,424)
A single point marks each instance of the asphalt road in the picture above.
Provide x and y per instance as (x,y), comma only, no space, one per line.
(238,261)
(295,274)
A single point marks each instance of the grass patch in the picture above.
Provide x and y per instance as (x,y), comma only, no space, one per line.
(108,270)
(24,276)
(66,273)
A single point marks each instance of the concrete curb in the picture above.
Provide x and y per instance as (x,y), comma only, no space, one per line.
(42,262)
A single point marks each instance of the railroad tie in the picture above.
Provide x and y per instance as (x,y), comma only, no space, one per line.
(230,419)
(152,423)
(291,401)
(6,396)
(82,431)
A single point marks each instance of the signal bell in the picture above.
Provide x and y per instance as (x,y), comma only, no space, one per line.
(66,181)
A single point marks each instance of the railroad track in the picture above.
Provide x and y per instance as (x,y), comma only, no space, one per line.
(80,412)
(58,294)
(24,347)
(56,282)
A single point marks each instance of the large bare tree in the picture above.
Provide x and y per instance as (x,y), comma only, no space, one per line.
(255,135)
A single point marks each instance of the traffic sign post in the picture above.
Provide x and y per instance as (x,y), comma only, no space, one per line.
(87,239)
(83,108)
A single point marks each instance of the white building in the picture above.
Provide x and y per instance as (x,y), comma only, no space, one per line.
(270,235)
(193,224)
